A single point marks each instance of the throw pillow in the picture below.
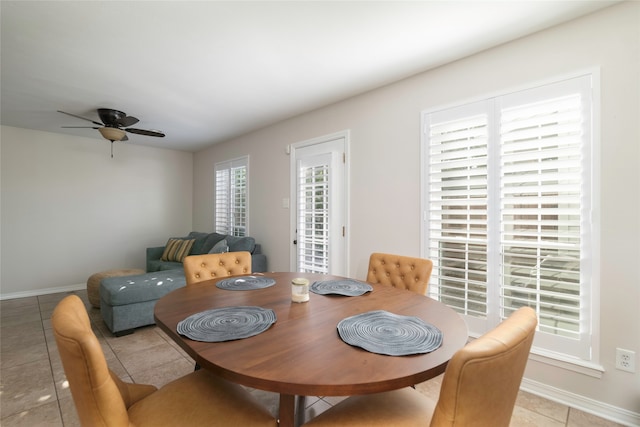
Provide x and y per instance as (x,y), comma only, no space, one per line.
(200,239)
(220,247)
(177,249)
(211,240)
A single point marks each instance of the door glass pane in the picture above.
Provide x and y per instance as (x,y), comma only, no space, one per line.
(313,219)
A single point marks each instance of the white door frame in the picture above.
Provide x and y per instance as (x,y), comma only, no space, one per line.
(344,135)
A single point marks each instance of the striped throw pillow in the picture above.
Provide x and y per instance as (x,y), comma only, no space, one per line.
(177,249)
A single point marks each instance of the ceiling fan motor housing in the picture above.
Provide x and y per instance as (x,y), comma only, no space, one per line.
(115,118)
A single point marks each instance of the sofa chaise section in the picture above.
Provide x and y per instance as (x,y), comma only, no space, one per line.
(127,302)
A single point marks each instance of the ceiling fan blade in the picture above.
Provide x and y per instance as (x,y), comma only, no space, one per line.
(127,121)
(124,138)
(80,117)
(79,127)
(145,132)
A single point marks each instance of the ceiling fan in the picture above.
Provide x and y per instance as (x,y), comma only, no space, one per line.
(115,125)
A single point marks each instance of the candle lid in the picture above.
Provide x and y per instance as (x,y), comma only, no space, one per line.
(300,281)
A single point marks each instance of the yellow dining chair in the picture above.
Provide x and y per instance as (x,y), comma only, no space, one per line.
(102,399)
(400,271)
(198,268)
(479,387)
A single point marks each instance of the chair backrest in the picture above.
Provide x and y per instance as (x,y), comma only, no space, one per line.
(481,382)
(198,268)
(400,271)
(96,391)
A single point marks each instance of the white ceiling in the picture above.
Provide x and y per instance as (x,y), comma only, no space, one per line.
(203,72)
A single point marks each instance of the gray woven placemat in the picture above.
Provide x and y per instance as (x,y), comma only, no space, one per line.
(347,287)
(227,323)
(390,334)
(245,283)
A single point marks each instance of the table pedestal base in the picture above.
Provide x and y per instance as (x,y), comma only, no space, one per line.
(287,410)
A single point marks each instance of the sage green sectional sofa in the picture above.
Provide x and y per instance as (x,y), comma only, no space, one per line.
(127,302)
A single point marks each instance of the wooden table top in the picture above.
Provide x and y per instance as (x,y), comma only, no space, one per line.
(302,353)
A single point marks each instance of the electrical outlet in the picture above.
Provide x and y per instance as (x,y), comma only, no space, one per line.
(625,360)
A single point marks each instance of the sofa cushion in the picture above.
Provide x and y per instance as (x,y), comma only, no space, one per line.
(220,247)
(211,240)
(176,249)
(115,291)
(200,239)
(237,244)
(157,265)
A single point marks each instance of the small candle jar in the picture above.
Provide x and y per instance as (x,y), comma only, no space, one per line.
(300,290)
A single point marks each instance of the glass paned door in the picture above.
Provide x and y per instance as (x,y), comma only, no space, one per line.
(319,215)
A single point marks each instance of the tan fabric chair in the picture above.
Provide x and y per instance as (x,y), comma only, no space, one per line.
(198,268)
(102,399)
(400,271)
(479,387)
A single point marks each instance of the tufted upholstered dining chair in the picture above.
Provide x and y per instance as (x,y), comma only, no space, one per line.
(479,387)
(400,271)
(103,399)
(198,268)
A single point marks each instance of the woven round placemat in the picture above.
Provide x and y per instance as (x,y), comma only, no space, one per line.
(347,287)
(390,334)
(245,283)
(227,323)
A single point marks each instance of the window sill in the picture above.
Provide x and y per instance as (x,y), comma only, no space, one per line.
(591,369)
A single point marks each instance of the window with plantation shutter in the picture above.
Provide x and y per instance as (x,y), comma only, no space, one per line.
(508,202)
(231,197)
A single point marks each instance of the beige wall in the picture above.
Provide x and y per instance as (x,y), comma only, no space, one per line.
(385,175)
(69,210)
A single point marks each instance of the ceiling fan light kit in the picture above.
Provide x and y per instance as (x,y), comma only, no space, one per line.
(114,126)
(112,134)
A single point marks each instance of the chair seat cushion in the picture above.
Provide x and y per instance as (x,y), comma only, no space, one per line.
(399,408)
(215,402)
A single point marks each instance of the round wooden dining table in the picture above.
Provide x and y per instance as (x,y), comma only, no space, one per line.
(302,354)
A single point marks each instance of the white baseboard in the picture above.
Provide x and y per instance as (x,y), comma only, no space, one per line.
(585,404)
(46,291)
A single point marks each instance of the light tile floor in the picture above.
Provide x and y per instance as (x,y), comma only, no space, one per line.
(32,382)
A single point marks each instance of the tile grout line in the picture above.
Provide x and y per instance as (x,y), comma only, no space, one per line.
(50,360)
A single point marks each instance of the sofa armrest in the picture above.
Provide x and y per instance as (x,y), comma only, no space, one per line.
(154,254)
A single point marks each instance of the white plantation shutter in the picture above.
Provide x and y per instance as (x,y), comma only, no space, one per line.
(540,206)
(231,197)
(508,202)
(457,221)
(313,214)
(223,201)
